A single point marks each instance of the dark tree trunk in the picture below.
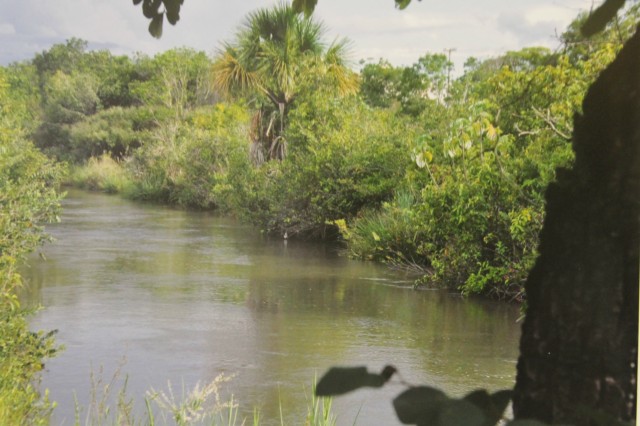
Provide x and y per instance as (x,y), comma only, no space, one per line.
(578,351)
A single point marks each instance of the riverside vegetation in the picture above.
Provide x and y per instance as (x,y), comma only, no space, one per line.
(406,164)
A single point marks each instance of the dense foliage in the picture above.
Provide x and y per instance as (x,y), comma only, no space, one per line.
(472,205)
(27,201)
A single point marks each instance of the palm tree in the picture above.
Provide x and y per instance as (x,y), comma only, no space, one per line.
(274,51)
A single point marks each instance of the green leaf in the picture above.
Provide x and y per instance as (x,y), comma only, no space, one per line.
(526,422)
(306,6)
(601,17)
(136,2)
(401,4)
(155,27)
(172,8)
(340,380)
(419,404)
(150,8)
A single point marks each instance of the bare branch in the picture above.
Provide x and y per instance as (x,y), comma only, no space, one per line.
(552,124)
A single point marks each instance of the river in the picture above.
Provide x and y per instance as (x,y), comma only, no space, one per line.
(164,295)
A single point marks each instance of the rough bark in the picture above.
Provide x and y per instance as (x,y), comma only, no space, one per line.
(578,350)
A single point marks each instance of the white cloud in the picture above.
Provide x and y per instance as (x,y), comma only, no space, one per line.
(549,13)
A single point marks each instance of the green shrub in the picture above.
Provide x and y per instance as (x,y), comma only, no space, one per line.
(27,200)
(343,157)
(186,163)
(393,234)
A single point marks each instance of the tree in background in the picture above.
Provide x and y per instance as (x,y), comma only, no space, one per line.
(267,62)
(411,90)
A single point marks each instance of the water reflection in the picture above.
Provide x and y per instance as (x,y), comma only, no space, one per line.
(185,296)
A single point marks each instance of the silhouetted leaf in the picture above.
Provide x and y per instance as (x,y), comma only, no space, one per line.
(601,17)
(155,27)
(419,404)
(306,6)
(501,399)
(340,380)
(172,8)
(136,2)
(480,398)
(150,8)
(458,412)
(492,406)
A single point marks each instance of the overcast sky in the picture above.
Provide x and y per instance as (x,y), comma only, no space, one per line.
(480,28)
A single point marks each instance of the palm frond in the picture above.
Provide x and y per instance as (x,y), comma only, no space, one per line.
(336,60)
(229,74)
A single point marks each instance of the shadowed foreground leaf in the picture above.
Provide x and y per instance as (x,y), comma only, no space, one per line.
(156,10)
(401,4)
(457,412)
(601,17)
(419,404)
(155,26)
(427,406)
(492,406)
(340,380)
(306,6)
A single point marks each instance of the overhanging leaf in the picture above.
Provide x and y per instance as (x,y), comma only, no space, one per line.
(150,8)
(492,406)
(601,17)
(155,27)
(304,6)
(136,2)
(401,4)
(172,8)
(340,380)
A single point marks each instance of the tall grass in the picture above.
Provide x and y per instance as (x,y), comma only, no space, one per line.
(102,174)
(319,411)
(110,404)
(200,405)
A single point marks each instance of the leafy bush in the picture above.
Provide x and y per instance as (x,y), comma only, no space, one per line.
(110,131)
(343,156)
(186,163)
(481,168)
(27,200)
(393,234)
